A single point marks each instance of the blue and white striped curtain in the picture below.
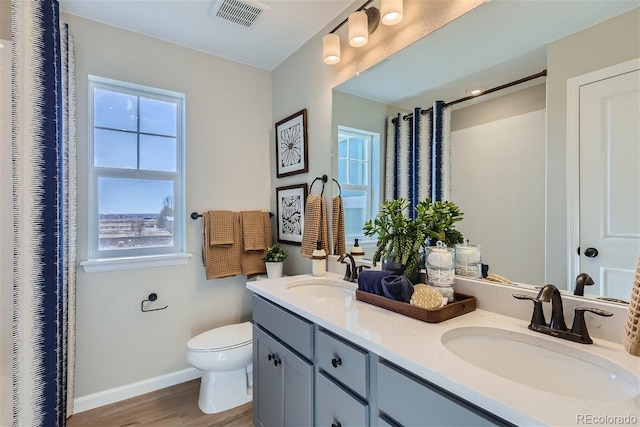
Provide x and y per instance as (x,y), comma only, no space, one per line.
(417,156)
(43,150)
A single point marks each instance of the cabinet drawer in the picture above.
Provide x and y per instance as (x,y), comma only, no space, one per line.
(424,404)
(295,331)
(342,361)
(336,407)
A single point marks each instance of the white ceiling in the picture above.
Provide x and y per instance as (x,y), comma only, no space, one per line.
(280,31)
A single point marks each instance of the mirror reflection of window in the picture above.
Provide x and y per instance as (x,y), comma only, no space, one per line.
(359,178)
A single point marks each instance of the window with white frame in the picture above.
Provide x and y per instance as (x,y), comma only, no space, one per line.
(137,206)
(359,178)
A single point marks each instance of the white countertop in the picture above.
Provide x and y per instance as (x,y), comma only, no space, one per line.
(417,347)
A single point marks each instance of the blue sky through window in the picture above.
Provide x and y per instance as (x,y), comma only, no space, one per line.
(132,196)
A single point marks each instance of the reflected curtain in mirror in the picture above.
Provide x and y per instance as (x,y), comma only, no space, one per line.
(418,155)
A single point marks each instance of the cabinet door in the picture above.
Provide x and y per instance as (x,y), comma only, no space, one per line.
(336,407)
(282,386)
(267,381)
(297,379)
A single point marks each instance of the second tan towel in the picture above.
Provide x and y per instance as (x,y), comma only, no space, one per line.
(339,246)
(315,225)
(256,231)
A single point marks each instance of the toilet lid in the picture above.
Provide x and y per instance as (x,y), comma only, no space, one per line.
(222,338)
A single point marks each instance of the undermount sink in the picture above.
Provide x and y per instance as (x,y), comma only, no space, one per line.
(322,288)
(543,363)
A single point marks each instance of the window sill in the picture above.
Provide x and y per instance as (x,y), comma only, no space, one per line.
(134,263)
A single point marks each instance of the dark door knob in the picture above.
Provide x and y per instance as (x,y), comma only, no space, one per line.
(336,361)
(591,252)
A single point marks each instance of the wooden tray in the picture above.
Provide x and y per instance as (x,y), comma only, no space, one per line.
(462,304)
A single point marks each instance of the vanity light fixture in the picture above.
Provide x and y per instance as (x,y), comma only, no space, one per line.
(391,11)
(361,23)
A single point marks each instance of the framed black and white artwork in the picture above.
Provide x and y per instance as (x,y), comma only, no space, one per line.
(290,213)
(292,145)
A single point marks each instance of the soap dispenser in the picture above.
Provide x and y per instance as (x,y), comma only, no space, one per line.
(318,260)
(356,251)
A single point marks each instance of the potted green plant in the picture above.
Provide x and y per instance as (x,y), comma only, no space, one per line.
(274,259)
(400,237)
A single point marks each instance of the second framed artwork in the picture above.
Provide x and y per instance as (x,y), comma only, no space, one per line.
(292,145)
(290,202)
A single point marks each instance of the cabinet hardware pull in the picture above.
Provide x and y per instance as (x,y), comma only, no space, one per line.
(336,361)
(336,424)
(275,358)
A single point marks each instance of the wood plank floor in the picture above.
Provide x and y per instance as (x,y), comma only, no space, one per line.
(169,407)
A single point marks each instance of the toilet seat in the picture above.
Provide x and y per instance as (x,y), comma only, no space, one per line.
(223,338)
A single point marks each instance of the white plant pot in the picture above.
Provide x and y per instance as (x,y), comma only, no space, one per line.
(274,269)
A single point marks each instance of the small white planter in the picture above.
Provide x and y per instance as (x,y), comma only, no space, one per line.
(274,269)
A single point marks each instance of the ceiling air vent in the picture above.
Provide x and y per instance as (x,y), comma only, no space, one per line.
(241,12)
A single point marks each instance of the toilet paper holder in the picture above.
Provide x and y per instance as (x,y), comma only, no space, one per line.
(152,297)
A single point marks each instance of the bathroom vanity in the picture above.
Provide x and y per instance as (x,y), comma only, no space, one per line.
(323,358)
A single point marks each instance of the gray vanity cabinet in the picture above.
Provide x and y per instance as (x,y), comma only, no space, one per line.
(283,376)
(412,401)
(304,375)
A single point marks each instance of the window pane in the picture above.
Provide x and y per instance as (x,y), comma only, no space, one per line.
(115,110)
(355,211)
(115,149)
(157,153)
(357,148)
(357,173)
(342,146)
(158,117)
(342,171)
(135,213)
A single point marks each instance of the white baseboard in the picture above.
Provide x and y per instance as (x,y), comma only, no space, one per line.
(128,391)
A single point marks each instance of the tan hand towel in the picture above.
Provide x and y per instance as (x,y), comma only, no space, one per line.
(339,246)
(222,227)
(315,226)
(632,327)
(252,259)
(253,230)
(220,260)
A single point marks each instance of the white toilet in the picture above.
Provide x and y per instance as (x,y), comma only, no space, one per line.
(224,355)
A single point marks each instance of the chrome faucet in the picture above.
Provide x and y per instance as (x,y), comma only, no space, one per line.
(351,271)
(557,327)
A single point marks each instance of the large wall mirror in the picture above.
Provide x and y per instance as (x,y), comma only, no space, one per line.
(511,165)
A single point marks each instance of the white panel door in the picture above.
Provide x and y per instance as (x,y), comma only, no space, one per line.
(610,183)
